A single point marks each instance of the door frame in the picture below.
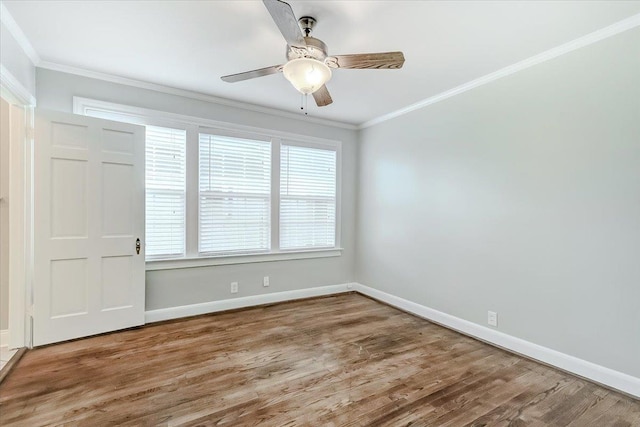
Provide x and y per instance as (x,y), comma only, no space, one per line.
(20,210)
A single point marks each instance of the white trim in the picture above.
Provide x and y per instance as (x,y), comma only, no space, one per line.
(164,118)
(242,302)
(20,215)
(274,211)
(19,220)
(4,338)
(12,90)
(18,34)
(203,261)
(192,185)
(191,95)
(600,374)
(596,36)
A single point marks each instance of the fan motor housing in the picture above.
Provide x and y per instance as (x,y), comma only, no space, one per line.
(315,49)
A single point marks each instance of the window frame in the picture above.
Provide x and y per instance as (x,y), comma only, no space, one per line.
(214,133)
(193,127)
(337,194)
(169,256)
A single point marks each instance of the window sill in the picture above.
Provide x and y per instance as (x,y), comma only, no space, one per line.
(170,264)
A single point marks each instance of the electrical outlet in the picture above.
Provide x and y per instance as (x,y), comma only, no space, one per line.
(265,281)
(234,287)
(492,318)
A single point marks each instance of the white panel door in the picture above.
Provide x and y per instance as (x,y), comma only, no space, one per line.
(89,213)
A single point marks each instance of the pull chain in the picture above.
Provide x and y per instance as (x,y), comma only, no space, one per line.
(303,103)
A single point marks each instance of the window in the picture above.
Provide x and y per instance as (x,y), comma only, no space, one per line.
(220,194)
(307,197)
(165,185)
(235,194)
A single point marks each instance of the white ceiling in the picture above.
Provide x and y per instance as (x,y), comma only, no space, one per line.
(190,44)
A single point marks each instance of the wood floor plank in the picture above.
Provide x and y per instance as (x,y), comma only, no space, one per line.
(337,361)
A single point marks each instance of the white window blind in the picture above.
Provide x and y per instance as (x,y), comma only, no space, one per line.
(235,194)
(165,170)
(307,197)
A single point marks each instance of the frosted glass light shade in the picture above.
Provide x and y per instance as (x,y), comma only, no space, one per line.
(306,74)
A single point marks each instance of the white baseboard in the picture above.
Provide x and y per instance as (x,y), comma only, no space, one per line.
(4,338)
(242,302)
(608,377)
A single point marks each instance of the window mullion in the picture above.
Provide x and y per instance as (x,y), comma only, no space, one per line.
(275,194)
(338,199)
(192,192)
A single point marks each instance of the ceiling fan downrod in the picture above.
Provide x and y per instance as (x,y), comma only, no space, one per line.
(306,24)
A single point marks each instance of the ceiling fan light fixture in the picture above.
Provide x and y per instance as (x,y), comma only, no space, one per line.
(307,75)
(309,67)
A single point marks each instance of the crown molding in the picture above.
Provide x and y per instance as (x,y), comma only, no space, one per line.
(18,35)
(591,38)
(190,94)
(13,90)
(596,36)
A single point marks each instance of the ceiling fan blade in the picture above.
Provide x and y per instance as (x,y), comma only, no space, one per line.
(384,60)
(232,78)
(286,21)
(322,97)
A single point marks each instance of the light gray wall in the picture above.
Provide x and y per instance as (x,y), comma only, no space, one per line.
(16,61)
(170,288)
(522,197)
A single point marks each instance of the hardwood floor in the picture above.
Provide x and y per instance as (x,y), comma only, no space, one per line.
(338,361)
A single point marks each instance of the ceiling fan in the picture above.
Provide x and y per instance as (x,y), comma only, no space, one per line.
(309,66)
